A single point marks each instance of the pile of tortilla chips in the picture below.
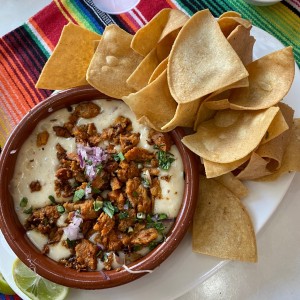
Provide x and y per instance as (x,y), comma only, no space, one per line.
(197,72)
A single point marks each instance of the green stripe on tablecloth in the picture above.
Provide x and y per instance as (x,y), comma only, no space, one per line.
(36,40)
(277,19)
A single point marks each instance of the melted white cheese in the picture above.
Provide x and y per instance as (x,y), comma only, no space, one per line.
(40,163)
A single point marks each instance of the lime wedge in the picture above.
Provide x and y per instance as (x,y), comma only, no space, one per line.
(4,287)
(35,286)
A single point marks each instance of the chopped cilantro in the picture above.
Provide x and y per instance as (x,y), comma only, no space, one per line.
(96,191)
(60,209)
(165,159)
(99,169)
(119,156)
(123,215)
(137,248)
(108,208)
(70,243)
(23,202)
(152,245)
(78,195)
(135,194)
(162,216)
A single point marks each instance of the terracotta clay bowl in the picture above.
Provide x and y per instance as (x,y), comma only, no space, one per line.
(16,236)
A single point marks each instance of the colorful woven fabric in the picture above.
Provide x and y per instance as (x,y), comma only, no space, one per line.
(24,51)
(6,297)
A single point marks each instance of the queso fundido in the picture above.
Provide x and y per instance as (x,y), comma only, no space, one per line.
(95,189)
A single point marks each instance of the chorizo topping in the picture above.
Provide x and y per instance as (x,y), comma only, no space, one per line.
(108,186)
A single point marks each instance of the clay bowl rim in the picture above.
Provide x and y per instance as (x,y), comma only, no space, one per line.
(14,232)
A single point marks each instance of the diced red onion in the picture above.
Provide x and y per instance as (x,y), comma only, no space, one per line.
(72,231)
(90,158)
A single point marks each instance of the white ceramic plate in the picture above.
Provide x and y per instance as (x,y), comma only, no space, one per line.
(184,269)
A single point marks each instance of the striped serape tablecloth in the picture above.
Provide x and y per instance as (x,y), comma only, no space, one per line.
(25,50)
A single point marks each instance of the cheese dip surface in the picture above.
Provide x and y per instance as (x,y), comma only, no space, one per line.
(95,189)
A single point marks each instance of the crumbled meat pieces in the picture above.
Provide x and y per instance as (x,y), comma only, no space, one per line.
(35,186)
(118,198)
(139,155)
(145,236)
(161,139)
(128,141)
(43,219)
(42,138)
(61,131)
(87,110)
(120,181)
(104,224)
(86,253)
(138,196)
(86,209)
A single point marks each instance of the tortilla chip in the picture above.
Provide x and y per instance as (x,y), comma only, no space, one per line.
(159,69)
(256,168)
(76,45)
(154,102)
(185,115)
(230,14)
(204,113)
(230,135)
(277,127)
(166,21)
(233,184)
(242,43)
(228,24)
(213,169)
(217,105)
(274,149)
(221,225)
(291,157)
(201,46)
(141,75)
(113,62)
(270,79)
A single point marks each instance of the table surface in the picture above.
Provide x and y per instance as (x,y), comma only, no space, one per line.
(277,273)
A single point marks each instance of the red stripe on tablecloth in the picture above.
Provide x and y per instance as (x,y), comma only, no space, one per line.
(14,62)
(31,62)
(14,86)
(129,20)
(150,8)
(64,10)
(43,22)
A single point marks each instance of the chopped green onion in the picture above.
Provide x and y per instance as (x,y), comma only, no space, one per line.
(52,199)
(23,202)
(141,215)
(78,195)
(28,210)
(60,209)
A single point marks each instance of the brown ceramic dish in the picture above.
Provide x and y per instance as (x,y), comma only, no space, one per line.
(15,234)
